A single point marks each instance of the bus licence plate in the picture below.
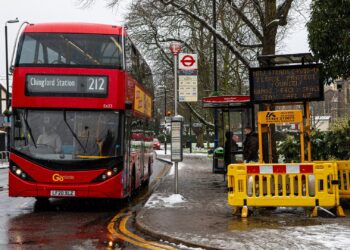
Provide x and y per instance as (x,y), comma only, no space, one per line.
(62,193)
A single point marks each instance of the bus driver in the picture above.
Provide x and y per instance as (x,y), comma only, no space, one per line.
(50,138)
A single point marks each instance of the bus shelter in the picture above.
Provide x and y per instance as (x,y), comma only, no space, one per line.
(235,113)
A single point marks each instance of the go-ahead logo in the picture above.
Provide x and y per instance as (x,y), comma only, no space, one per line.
(57,178)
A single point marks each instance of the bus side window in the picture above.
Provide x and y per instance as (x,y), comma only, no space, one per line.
(135,63)
(128,62)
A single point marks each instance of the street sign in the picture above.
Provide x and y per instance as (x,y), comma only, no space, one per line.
(188,61)
(188,88)
(280,116)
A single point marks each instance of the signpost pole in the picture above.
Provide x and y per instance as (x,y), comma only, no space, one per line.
(175,48)
(176,163)
(165,146)
(190,133)
(176,178)
(175,85)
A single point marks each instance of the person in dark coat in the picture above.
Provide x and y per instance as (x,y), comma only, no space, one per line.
(230,148)
(250,146)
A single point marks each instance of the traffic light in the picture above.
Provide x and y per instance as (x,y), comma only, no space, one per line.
(168,113)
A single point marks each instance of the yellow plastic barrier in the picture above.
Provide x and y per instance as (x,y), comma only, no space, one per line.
(344,178)
(343,169)
(276,185)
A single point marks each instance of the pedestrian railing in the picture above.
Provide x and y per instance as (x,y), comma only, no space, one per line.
(283,185)
(4,157)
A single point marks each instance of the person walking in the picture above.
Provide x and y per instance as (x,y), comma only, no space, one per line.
(230,149)
(250,146)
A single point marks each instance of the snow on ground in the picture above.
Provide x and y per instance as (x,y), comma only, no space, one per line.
(331,236)
(161,200)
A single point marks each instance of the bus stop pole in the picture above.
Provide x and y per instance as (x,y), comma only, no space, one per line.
(176,163)
(191,133)
(175,49)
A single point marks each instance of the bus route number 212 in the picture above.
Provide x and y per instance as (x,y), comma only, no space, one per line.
(97,84)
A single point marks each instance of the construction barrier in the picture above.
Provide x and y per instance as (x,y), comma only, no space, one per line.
(283,185)
(343,168)
(344,178)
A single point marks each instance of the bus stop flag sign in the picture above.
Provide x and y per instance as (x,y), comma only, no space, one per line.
(188,61)
(188,80)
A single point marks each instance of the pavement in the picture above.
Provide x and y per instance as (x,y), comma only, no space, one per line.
(4,165)
(199,216)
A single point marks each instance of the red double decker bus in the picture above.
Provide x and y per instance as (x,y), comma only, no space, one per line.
(82,113)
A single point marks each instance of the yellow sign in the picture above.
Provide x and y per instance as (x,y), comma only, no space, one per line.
(139,103)
(148,108)
(280,116)
(142,102)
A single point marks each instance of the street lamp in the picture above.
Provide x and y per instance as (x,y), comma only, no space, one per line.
(215,70)
(175,48)
(7,81)
(7,64)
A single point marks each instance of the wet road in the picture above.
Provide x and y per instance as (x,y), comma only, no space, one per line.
(61,223)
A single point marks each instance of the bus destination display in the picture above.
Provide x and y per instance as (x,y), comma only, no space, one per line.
(66,85)
(286,84)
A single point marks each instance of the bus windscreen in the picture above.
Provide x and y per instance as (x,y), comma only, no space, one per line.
(70,50)
(67,135)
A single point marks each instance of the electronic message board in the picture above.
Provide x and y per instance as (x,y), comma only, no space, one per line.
(286,84)
(66,85)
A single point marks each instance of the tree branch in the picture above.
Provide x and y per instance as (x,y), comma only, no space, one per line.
(196,114)
(246,20)
(218,35)
(249,46)
(259,10)
(282,12)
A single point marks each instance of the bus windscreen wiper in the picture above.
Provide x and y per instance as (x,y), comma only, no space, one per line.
(28,127)
(72,131)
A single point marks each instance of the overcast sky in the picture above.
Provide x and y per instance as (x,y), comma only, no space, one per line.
(37,11)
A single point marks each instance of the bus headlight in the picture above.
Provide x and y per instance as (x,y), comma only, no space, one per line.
(109,173)
(19,172)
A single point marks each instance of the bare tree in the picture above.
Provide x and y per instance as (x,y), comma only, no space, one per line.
(246,28)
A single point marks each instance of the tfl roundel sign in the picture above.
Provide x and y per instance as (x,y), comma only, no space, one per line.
(188,61)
